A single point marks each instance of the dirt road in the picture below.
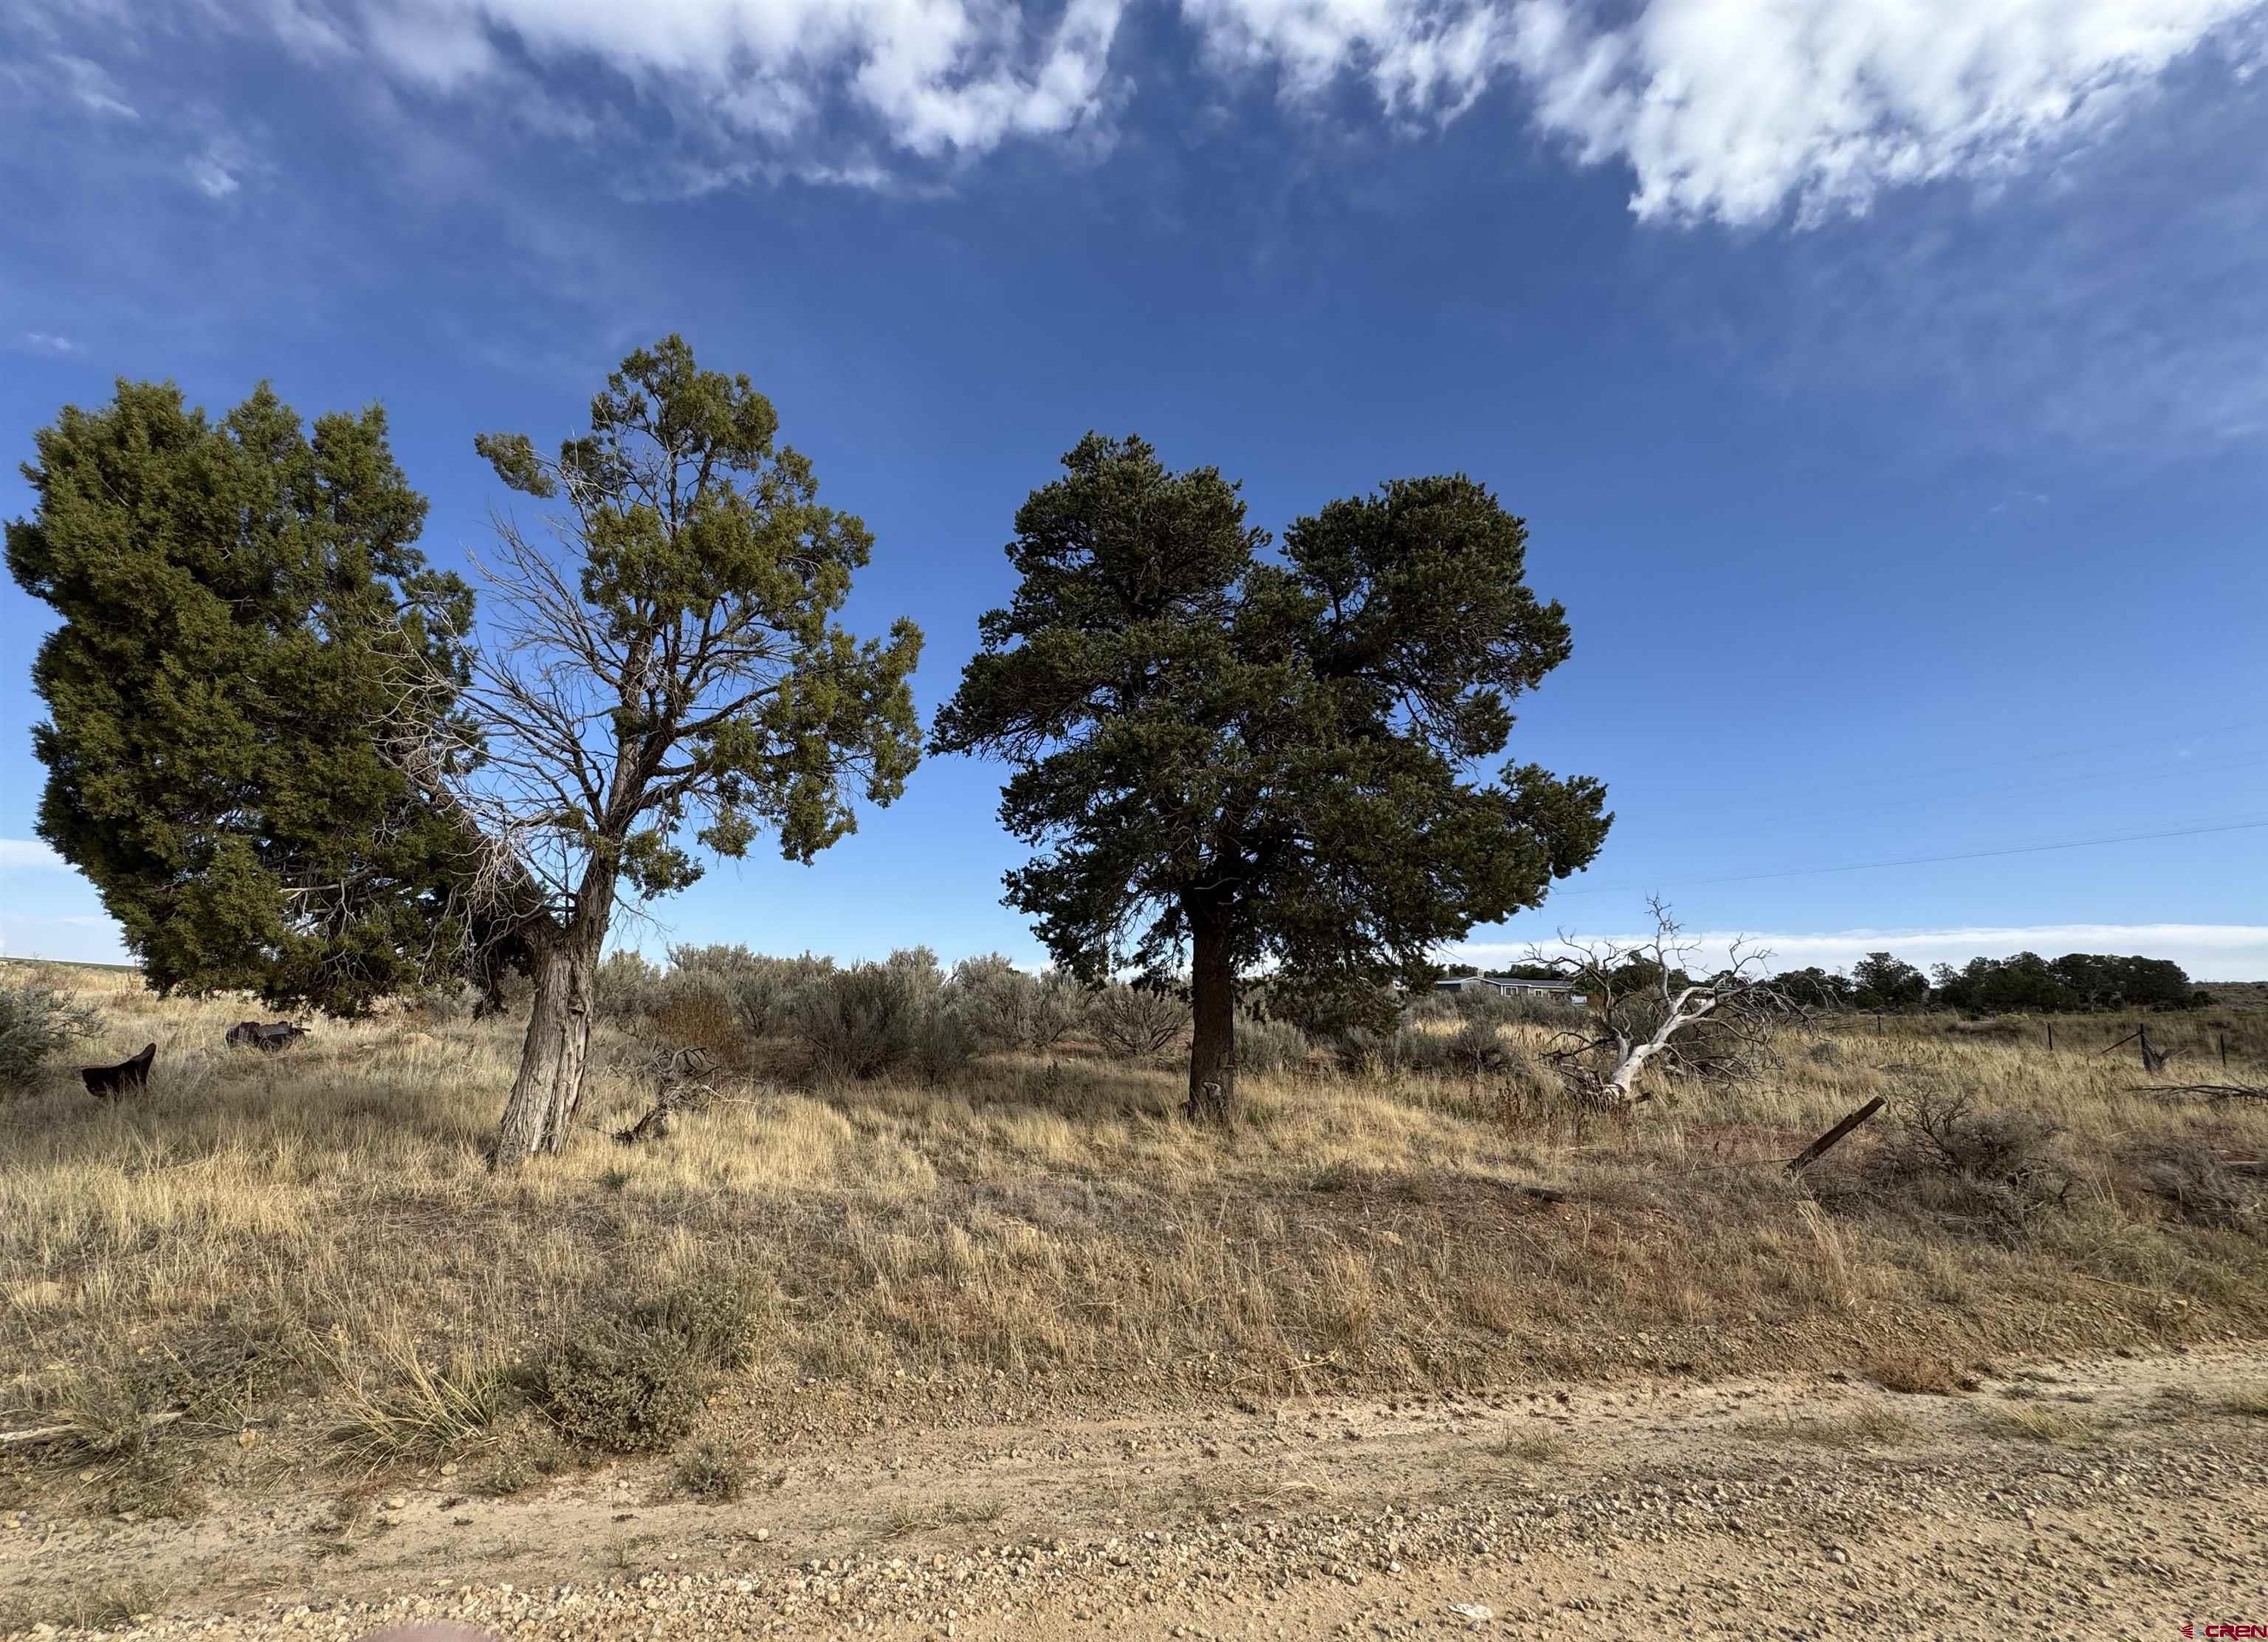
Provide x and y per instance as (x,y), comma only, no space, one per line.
(2085,1500)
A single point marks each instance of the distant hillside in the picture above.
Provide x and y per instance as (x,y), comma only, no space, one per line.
(67,963)
(2236,994)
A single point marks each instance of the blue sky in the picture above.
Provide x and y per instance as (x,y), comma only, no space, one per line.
(1886,388)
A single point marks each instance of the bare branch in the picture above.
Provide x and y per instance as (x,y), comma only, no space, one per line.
(1653,1013)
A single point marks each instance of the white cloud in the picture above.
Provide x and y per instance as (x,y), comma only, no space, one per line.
(29,854)
(215,170)
(89,86)
(942,76)
(2208,952)
(1739,110)
(1421,57)
(54,347)
(1734,111)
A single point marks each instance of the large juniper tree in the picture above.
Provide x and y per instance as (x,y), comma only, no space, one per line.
(667,678)
(1226,760)
(233,594)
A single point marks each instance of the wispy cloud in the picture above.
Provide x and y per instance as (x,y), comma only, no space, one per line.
(1744,111)
(215,171)
(2209,952)
(950,77)
(1736,110)
(1731,111)
(89,86)
(54,347)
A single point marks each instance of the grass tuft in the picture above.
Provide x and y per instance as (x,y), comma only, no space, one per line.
(712,1474)
(2043,1422)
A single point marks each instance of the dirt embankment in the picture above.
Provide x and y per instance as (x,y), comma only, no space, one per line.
(2087,1500)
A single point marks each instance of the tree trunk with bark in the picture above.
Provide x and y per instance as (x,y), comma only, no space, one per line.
(540,1115)
(1213,1027)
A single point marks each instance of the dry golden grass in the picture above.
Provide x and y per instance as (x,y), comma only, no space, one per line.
(2039,1422)
(321,1220)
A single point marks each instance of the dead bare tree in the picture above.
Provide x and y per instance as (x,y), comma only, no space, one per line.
(1650,1011)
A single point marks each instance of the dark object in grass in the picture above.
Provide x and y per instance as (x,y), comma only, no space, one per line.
(128,1076)
(261,1034)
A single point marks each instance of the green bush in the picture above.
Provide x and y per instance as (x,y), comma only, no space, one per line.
(1360,1052)
(709,1315)
(871,1019)
(1431,1006)
(713,1473)
(1412,1050)
(626,988)
(762,991)
(1478,1049)
(1135,1022)
(622,1396)
(1475,1049)
(2000,1170)
(1265,1046)
(635,1376)
(37,1023)
(1009,1008)
(944,1044)
(697,1011)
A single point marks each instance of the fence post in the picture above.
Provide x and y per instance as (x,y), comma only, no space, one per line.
(2051,1037)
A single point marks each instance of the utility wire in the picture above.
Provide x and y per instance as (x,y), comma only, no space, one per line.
(1926,861)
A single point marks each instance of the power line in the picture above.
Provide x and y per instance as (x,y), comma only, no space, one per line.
(1764,801)
(2092,750)
(1927,860)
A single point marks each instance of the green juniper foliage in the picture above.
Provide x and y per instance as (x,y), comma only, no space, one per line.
(1247,760)
(230,594)
(669,681)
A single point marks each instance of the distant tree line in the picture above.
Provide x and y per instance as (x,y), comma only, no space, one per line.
(2076,983)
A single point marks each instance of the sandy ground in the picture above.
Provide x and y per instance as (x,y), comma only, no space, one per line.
(1785,1509)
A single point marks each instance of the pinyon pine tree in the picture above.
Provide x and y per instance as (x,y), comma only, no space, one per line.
(1227,761)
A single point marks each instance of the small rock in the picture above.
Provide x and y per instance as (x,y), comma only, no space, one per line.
(1835,1554)
(449,1469)
(397,1503)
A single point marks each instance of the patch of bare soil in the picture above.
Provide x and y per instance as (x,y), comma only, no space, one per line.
(2097,1498)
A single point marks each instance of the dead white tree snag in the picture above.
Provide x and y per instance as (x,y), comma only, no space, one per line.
(1651,1010)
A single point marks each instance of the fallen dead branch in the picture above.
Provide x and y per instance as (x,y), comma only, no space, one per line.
(72,1428)
(1833,1138)
(675,1089)
(2208,1091)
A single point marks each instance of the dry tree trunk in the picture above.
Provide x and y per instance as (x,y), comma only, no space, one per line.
(540,1113)
(1212,1028)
